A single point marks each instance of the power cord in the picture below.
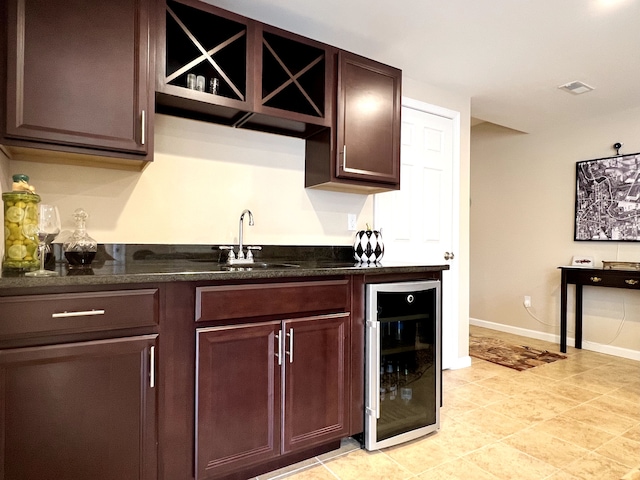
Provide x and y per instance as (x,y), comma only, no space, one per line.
(531,314)
(622,322)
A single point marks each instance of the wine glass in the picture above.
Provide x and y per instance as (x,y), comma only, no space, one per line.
(48,228)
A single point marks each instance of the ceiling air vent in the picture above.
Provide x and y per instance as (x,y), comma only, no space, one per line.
(576,87)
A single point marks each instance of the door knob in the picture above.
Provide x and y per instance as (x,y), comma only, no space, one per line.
(449,255)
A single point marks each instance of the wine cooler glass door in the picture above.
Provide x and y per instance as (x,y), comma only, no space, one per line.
(403,362)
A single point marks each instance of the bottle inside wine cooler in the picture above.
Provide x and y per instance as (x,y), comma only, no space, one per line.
(393,383)
(383,383)
(406,392)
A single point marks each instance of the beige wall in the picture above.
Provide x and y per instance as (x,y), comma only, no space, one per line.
(202,177)
(522,214)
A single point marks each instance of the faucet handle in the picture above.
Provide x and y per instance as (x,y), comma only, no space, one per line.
(250,253)
(226,248)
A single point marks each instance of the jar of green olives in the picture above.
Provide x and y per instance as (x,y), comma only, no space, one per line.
(20,226)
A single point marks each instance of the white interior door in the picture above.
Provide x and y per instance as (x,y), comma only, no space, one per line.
(419,222)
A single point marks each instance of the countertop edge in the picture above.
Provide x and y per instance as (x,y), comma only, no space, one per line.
(203,276)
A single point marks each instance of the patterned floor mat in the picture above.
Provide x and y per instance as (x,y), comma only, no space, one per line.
(518,357)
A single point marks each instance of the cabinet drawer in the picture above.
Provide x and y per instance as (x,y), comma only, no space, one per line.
(36,315)
(605,278)
(246,301)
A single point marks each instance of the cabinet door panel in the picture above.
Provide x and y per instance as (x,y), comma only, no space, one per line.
(315,381)
(83,410)
(78,73)
(237,398)
(369,112)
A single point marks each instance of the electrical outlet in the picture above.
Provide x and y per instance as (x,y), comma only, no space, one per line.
(352,222)
(527,301)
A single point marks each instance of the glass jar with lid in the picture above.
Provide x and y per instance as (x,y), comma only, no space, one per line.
(20,226)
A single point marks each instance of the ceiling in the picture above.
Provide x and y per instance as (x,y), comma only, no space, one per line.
(508,56)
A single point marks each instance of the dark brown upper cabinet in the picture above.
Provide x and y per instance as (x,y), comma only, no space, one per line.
(201,40)
(267,79)
(361,153)
(79,80)
(296,83)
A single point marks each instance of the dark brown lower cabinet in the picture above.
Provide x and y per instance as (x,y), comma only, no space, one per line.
(83,410)
(269,389)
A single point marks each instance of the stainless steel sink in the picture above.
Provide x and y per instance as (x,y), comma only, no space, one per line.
(254,265)
(259,266)
(268,265)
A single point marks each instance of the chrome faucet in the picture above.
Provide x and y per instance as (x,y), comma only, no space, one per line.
(240,259)
(240,250)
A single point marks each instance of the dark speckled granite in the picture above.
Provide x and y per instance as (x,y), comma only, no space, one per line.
(122,264)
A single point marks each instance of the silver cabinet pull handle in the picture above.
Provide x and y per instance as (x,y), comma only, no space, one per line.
(290,352)
(84,313)
(631,281)
(143,120)
(595,279)
(152,366)
(279,354)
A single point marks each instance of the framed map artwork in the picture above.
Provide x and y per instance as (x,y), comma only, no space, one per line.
(608,199)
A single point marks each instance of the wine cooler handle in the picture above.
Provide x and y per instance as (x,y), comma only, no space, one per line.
(377,372)
(373,407)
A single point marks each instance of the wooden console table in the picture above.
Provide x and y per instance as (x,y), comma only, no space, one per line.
(592,277)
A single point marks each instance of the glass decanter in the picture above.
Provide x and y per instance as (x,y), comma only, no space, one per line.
(80,249)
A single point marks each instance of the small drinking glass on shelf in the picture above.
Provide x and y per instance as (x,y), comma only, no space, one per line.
(191,81)
(200,83)
(214,85)
(48,227)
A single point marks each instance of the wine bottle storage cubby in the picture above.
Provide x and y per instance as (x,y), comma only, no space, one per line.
(268,79)
(293,75)
(206,45)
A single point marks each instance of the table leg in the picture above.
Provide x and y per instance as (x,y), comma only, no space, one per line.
(563,313)
(578,342)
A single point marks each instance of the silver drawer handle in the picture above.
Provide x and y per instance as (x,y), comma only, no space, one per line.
(84,313)
(595,279)
(631,281)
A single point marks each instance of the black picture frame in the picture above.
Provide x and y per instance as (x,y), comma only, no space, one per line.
(607,204)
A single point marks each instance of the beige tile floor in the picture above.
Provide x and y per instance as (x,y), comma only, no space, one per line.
(577,418)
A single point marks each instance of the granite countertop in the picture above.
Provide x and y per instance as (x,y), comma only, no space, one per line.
(121,264)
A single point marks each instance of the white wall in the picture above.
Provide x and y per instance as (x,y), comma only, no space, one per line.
(522,217)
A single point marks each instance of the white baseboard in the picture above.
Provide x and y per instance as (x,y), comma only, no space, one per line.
(550,337)
(459,363)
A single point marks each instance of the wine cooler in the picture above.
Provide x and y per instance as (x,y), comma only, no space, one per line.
(402,362)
